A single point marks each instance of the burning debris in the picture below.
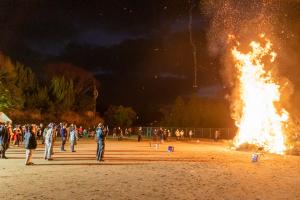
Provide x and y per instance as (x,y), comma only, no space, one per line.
(261,120)
(259,95)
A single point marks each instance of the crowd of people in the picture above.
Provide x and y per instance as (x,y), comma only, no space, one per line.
(163,134)
(158,134)
(121,133)
(29,134)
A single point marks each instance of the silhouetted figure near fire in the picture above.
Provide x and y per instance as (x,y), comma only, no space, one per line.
(217,135)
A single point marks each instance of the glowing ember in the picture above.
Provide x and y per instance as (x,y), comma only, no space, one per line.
(260,122)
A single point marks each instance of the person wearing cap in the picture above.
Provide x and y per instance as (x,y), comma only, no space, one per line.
(49,142)
(30,143)
(100,139)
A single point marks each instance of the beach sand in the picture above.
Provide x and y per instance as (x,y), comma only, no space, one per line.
(132,170)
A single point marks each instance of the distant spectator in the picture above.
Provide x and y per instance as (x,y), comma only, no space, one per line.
(129,132)
(182,134)
(73,138)
(217,135)
(140,133)
(85,133)
(126,132)
(100,139)
(44,134)
(17,136)
(30,144)
(10,133)
(4,141)
(177,134)
(114,132)
(190,134)
(63,135)
(155,135)
(49,142)
(168,135)
(120,133)
(40,132)
(80,131)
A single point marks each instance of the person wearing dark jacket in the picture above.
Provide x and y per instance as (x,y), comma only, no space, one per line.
(4,140)
(140,132)
(30,143)
(100,139)
(63,135)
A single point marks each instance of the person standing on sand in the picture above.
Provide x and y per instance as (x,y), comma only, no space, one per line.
(80,132)
(140,133)
(216,136)
(63,135)
(181,134)
(120,133)
(177,133)
(114,132)
(44,135)
(49,142)
(85,133)
(40,131)
(73,138)
(30,143)
(4,141)
(10,133)
(190,134)
(18,135)
(100,139)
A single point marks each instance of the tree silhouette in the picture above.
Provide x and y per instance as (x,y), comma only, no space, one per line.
(120,116)
(62,91)
(8,77)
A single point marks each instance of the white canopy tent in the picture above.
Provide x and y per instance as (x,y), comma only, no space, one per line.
(4,118)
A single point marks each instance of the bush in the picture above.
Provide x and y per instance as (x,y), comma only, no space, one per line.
(29,116)
(86,119)
(70,117)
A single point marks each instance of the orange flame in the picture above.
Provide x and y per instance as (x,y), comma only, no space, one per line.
(260,122)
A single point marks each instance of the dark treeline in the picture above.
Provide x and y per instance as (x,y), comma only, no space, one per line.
(197,111)
(62,92)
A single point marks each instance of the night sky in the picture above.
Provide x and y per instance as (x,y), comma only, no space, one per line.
(139,50)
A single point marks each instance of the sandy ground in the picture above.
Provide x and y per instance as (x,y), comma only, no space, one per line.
(132,170)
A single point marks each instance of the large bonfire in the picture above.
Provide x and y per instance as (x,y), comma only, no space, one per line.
(261,121)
